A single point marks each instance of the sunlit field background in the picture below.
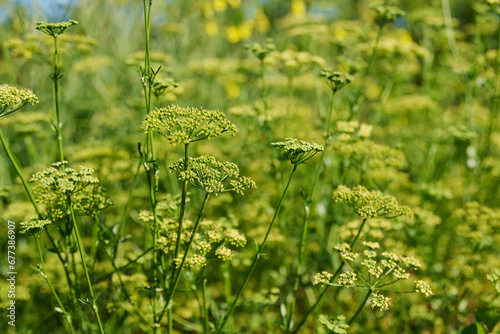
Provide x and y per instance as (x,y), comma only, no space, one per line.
(390,224)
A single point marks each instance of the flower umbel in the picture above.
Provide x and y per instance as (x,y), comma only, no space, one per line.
(370,204)
(65,180)
(55,29)
(380,301)
(335,80)
(385,13)
(297,151)
(187,125)
(424,288)
(13,99)
(33,227)
(210,175)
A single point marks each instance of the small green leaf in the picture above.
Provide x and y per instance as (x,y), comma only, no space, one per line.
(488,317)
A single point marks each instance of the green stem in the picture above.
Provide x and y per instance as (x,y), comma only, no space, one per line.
(325,289)
(55,79)
(66,315)
(183,203)
(81,250)
(360,308)
(20,174)
(178,272)
(258,254)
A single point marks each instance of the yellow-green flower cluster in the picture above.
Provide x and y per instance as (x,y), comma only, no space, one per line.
(335,80)
(380,301)
(297,151)
(87,197)
(212,240)
(65,180)
(13,99)
(370,204)
(55,29)
(477,222)
(322,278)
(334,326)
(210,175)
(345,252)
(424,288)
(348,278)
(34,227)
(293,63)
(187,125)
(378,266)
(91,202)
(385,13)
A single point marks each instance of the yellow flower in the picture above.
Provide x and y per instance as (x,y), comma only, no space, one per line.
(298,7)
(211,28)
(219,5)
(232,34)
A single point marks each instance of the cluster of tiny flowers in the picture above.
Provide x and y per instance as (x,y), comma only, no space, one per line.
(262,51)
(385,13)
(380,301)
(334,326)
(293,63)
(424,288)
(224,253)
(91,201)
(370,204)
(348,278)
(297,151)
(335,80)
(209,174)
(13,99)
(212,240)
(65,180)
(34,227)
(322,278)
(476,221)
(345,252)
(187,125)
(55,29)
